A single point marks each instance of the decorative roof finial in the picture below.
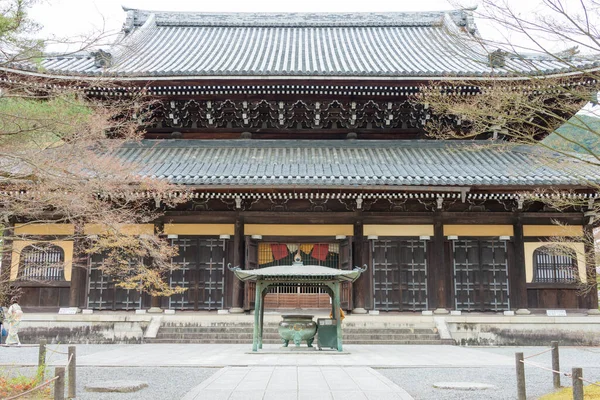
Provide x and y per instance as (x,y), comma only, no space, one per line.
(497,59)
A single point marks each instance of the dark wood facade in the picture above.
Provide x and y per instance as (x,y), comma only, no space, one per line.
(406,273)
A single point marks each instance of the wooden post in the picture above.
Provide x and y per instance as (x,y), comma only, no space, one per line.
(591,297)
(6,257)
(42,353)
(438,267)
(577,373)
(59,384)
(359,287)
(78,266)
(72,389)
(555,365)
(257,307)
(155,303)
(521,392)
(518,294)
(237,292)
(262,315)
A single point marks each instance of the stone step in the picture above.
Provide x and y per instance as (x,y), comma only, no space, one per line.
(396,342)
(362,332)
(235,328)
(272,341)
(200,335)
(347,325)
(246,336)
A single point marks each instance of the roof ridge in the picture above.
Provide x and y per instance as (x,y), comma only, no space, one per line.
(137,17)
(305,143)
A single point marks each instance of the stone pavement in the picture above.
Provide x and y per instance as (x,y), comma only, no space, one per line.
(273,374)
(223,355)
(297,383)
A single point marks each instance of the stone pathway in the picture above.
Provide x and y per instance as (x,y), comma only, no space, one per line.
(220,355)
(298,383)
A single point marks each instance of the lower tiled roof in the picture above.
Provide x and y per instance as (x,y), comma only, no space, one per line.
(353,164)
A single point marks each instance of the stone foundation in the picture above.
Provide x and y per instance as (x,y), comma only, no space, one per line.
(526,331)
(466,329)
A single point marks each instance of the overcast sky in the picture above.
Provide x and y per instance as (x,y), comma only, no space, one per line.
(68,18)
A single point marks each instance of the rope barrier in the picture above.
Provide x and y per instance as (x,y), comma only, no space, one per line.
(544,368)
(540,353)
(567,374)
(49,381)
(18,365)
(30,364)
(590,382)
(56,351)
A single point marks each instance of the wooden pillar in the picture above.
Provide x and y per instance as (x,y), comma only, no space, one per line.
(360,286)
(237,292)
(438,267)
(78,265)
(591,297)
(517,277)
(6,248)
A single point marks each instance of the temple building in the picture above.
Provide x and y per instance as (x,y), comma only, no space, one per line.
(302,134)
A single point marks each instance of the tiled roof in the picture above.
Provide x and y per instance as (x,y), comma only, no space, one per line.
(176,44)
(351,164)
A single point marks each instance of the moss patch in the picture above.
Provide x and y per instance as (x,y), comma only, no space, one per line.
(590,392)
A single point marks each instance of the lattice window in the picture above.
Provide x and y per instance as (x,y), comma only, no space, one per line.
(42,262)
(555,265)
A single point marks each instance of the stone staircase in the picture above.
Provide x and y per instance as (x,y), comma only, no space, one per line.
(360,332)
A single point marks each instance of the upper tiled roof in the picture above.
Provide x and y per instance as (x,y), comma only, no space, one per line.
(178,44)
(352,164)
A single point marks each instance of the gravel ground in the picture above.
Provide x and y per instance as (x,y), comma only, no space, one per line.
(163,383)
(174,382)
(419,381)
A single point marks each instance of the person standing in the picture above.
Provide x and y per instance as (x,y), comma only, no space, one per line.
(13,319)
(3,331)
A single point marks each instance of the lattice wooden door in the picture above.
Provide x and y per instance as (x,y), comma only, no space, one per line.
(103,294)
(400,274)
(201,263)
(480,275)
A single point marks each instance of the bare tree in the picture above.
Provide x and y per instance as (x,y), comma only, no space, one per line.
(533,93)
(532,89)
(58,165)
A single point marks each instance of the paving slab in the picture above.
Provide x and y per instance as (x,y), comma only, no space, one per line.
(119,386)
(299,383)
(463,385)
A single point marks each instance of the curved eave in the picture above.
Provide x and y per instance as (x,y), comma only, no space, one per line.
(420,78)
(297,274)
